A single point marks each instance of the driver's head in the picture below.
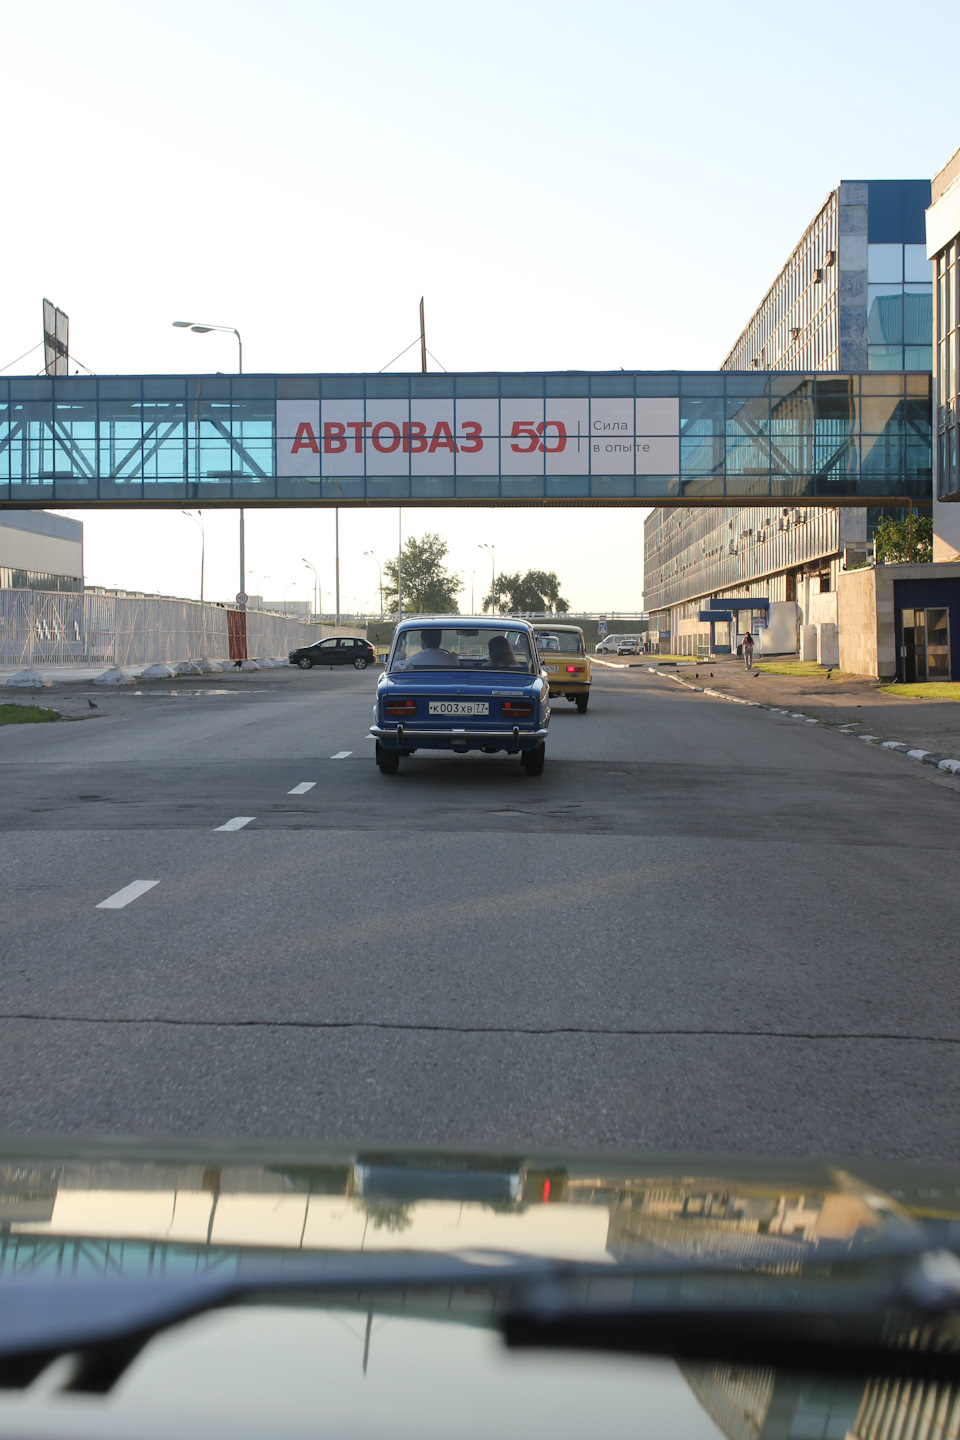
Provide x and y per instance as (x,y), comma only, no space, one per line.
(430,639)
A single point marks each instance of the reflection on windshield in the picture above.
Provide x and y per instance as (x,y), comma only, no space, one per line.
(437,647)
(563,642)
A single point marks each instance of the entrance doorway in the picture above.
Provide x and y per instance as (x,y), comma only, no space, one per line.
(926,645)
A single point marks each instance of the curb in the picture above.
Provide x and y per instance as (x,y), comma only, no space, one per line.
(925,757)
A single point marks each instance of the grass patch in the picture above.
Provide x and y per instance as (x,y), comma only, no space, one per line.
(803,668)
(931,690)
(14,714)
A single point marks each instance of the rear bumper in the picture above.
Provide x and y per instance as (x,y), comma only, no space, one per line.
(408,737)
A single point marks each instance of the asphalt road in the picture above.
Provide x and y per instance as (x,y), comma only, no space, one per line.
(704,927)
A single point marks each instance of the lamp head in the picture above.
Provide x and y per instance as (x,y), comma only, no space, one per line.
(182,324)
(201,329)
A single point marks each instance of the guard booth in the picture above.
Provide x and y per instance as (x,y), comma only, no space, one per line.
(927,619)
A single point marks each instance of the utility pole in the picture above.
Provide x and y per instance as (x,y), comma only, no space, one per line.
(400,563)
(336,522)
(423,340)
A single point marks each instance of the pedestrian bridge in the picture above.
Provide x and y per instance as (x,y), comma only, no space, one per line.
(598,438)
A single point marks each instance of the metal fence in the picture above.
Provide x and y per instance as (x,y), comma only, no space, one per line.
(41,628)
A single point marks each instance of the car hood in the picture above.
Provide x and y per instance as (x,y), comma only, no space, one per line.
(426,1240)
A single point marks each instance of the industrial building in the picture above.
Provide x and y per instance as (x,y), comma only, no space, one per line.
(40,551)
(854,302)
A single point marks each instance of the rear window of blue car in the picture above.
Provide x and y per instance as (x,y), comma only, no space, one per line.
(434,647)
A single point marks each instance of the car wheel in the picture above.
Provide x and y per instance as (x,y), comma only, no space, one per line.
(532,760)
(388,761)
(305,662)
(582,703)
(360,663)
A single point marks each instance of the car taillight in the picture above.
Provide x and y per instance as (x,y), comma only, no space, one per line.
(518,709)
(400,708)
(571,669)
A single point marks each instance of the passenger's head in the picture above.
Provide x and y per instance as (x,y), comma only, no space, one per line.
(430,639)
(500,650)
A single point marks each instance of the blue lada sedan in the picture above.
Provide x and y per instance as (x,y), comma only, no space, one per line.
(453,684)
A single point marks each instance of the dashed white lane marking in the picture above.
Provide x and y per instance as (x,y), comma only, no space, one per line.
(341,755)
(302,788)
(237,823)
(369,737)
(133,891)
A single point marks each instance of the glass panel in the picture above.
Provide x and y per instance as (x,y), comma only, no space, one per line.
(881,384)
(885,263)
(566,384)
(884,314)
(520,385)
(517,486)
(610,486)
(701,417)
(430,386)
(885,357)
(741,383)
(433,487)
(657,384)
(611,385)
(916,266)
(701,384)
(341,387)
(572,485)
(298,387)
(881,412)
(379,387)
(477,386)
(917,316)
(918,357)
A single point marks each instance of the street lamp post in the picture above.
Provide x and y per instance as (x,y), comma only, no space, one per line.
(287,592)
(316,587)
(200,329)
(198,520)
(380,568)
(493,574)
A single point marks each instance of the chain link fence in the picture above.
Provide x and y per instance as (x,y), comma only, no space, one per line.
(48,628)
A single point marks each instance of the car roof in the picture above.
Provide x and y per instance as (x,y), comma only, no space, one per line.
(463,622)
(538,626)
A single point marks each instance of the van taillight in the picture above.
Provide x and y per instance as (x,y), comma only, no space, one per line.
(400,707)
(518,708)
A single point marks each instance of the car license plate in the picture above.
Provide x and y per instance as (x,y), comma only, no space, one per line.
(459,707)
(551,669)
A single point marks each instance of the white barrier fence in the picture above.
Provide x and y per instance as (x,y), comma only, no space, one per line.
(41,628)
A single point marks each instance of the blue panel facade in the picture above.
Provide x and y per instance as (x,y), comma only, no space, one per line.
(215,439)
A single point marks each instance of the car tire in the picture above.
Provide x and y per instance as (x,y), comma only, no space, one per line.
(361,662)
(532,760)
(305,662)
(388,761)
(582,704)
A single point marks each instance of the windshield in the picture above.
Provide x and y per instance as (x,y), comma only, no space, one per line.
(563,642)
(437,647)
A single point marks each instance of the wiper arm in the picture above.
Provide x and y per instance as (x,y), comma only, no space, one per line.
(689,1308)
(904,1325)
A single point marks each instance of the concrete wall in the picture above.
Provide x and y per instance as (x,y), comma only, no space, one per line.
(946,530)
(857,610)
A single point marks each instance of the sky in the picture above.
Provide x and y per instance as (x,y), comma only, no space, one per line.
(569,186)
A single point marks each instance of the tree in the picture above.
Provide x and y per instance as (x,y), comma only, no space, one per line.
(428,587)
(892,540)
(536,590)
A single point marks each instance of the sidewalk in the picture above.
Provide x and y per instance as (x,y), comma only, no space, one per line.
(925,724)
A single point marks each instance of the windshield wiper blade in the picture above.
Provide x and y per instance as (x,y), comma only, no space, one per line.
(684,1306)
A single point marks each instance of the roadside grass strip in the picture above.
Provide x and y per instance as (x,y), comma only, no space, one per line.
(302,788)
(14,714)
(237,823)
(929,690)
(122,898)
